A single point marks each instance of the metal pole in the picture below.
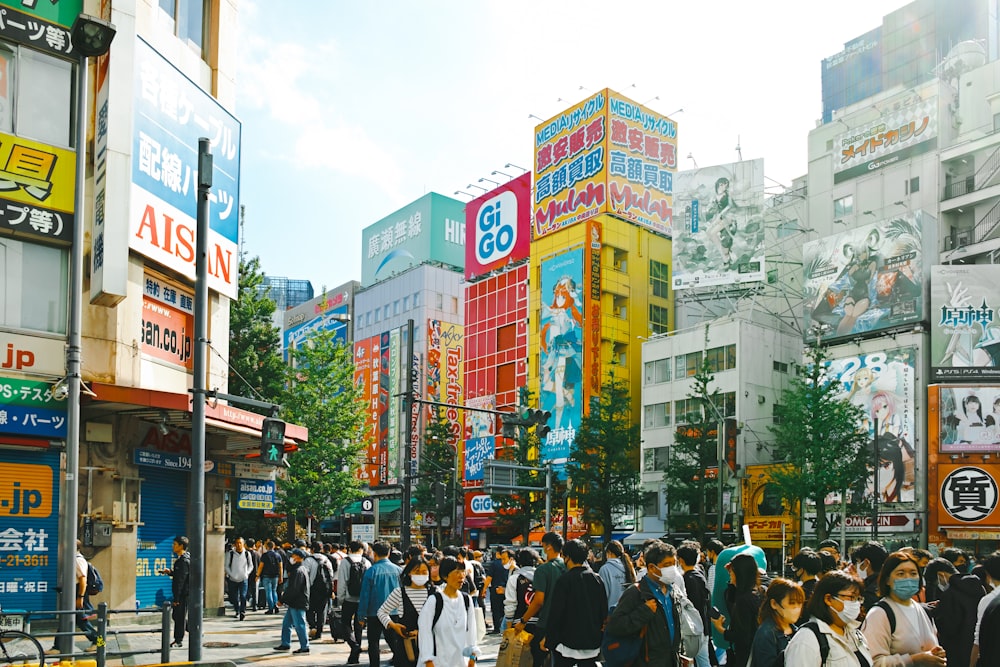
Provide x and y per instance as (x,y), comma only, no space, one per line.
(875,488)
(196,498)
(404,513)
(720,451)
(843,523)
(548,498)
(74,344)
(378,512)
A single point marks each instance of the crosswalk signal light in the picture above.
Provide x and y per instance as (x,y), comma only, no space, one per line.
(540,419)
(272,441)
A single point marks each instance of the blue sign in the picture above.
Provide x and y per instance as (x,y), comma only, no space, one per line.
(32,421)
(330,320)
(695,214)
(255,494)
(477,452)
(154,459)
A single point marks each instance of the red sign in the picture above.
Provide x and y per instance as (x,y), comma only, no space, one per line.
(498,227)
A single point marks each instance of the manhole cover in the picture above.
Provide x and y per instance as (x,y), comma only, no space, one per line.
(219,644)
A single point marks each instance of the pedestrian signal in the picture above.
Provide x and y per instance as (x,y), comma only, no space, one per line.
(272,441)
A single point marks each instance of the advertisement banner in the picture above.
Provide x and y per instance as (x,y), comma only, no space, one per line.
(383,354)
(882,384)
(593,309)
(29,394)
(167,322)
(896,135)
(642,161)
(477,452)
(394,408)
(40,24)
(327,312)
(366,378)
(59,12)
(451,340)
(764,510)
(32,354)
(37,187)
(255,494)
(498,227)
(480,424)
(969,419)
(719,238)
(171,113)
(571,166)
(561,351)
(968,495)
(865,279)
(965,326)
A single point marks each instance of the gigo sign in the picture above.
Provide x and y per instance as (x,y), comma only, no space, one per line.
(481,504)
(496,227)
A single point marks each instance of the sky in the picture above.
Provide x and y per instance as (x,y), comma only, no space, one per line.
(351,110)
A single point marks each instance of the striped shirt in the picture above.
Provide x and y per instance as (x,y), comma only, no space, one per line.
(417,596)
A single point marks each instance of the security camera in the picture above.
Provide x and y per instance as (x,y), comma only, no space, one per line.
(60,391)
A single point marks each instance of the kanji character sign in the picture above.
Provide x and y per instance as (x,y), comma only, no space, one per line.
(969,494)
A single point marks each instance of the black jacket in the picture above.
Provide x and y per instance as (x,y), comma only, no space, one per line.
(741,625)
(181,578)
(297,591)
(955,616)
(579,609)
(697,591)
(632,615)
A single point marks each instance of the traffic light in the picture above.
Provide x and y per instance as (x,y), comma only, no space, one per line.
(272,441)
(539,419)
(438,494)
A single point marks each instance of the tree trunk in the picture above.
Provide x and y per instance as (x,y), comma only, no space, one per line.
(702,507)
(821,531)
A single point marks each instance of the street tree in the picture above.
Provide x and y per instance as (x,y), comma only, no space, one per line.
(256,369)
(818,439)
(603,466)
(437,467)
(518,513)
(321,395)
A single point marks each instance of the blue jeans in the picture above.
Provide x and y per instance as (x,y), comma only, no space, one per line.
(270,585)
(238,596)
(297,618)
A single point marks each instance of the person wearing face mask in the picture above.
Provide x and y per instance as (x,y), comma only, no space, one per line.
(936,576)
(579,608)
(807,565)
(867,561)
(544,583)
(913,640)
(955,612)
(957,558)
(652,604)
(408,598)
(833,610)
(778,614)
(743,599)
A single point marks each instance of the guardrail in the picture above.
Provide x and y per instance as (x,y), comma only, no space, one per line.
(103,617)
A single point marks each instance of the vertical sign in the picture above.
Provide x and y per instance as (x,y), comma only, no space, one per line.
(384,352)
(392,451)
(452,392)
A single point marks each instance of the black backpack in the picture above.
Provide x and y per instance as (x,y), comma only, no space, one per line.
(95,584)
(322,584)
(354,577)
(824,643)
(525,590)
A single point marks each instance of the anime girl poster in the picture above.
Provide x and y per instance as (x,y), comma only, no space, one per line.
(882,385)
(561,351)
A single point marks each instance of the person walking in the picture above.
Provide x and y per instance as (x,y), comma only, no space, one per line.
(616,573)
(253,582)
(238,567)
(320,590)
(350,576)
(833,610)
(579,609)
(497,574)
(180,581)
(297,601)
(696,589)
(544,583)
(270,573)
(520,589)
(955,613)
(378,582)
(409,599)
(743,599)
(446,626)
(780,612)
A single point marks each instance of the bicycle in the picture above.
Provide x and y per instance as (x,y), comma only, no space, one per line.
(18,648)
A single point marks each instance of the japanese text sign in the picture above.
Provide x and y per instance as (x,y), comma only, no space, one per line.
(29,393)
(895,136)
(32,354)
(968,495)
(366,377)
(171,114)
(965,324)
(498,227)
(167,322)
(255,494)
(37,186)
(58,12)
(327,312)
(27,407)
(477,452)
(32,25)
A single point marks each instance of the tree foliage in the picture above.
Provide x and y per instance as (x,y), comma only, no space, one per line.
(518,513)
(321,395)
(437,465)
(818,439)
(256,369)
(602,466)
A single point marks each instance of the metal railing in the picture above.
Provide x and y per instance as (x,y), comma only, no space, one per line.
(103,615)
(986,224)
(976,181)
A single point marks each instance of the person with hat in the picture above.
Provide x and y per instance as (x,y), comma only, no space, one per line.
(297,601)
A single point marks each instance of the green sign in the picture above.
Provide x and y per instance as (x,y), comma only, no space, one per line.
(29,393)
(60,12)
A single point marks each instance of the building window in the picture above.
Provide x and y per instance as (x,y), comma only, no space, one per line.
(41,105)
(659,278)
(385,312)
(35,293)
(843,206)
(378,317)
(621,260)
(658,371)
(416,299)
(777,413)
(913,185)
(655,459)
(693,360)
(657,415)
(454,304)
(406,303)
(187,20)
(439,301)
(716,358)
(780,366)
(687,411)
(395,307)
(658,319)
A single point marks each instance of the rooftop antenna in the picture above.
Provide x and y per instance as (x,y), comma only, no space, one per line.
(739,151)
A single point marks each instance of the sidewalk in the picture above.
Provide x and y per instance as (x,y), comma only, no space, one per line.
(252,641)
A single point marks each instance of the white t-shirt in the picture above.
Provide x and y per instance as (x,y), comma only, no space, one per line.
(81,572)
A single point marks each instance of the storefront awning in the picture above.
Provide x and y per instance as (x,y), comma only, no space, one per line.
(385,506)
(636,539)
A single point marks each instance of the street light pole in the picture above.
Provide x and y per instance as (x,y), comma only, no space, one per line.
(90,37)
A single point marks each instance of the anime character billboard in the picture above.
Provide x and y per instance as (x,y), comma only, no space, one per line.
(865,279)
(970,419)
(882,385)
(561,351)
(720,238)
(965,329)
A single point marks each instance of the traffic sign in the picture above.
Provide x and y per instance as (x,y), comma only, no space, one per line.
(363,532)
(367,506)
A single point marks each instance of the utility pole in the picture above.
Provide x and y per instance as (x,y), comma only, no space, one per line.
(875,487)
(408,462)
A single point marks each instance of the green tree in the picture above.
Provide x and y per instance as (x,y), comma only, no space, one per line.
(818,439)
(603,466)
(322,396)
(256,369)
(695,450)
(437,465)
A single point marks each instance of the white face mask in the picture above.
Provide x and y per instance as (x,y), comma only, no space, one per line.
(850,612)
(419,579)
(669,575)
(862,573)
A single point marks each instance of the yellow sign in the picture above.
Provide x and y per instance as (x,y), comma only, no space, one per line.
(26,491)
(36,174)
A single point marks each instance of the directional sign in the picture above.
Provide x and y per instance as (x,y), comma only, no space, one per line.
(363,532)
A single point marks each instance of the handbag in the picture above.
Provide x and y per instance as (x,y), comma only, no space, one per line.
(409,647)
(480,624)
(515,649)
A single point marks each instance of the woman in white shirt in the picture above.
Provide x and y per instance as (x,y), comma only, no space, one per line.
(447,642)
(834,608)
(914,640)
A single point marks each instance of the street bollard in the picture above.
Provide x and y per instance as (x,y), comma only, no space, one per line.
(165,633)
(102,633)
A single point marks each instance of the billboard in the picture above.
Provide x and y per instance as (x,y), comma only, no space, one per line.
(171,113)
(324,313)
(37,187)
(968,495)
(592,259)
(59,12)
(965,327)
(883,384)
(969,419)
(865,279)
(480,424)
(561,328)
(719,237)
(167,321)
(896,135)
(430,229)
(498,227)
(606,154)
(366,377)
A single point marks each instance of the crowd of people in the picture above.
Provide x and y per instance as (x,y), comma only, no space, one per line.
(693,604)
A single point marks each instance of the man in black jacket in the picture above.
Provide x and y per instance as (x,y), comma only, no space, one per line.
(297,600)
(579,607)
(867,560)
(697,591)
(180,581)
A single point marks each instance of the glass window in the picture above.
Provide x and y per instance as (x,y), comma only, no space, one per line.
(730,357)
(454,304)
(913,185)
(658,371)
(42,103)
(657,415)
(395,307)
(843,206)
(378,315)
(716,358)
(186,20)
(659,278)
(406,303)
(655,459)
(35,282)
(385,312)
(439,300)
(780,366)
(416,299)
(693,363)
(680,366)
(777,413)
(658,316)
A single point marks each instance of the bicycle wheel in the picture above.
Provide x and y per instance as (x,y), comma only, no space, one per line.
(19,649)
